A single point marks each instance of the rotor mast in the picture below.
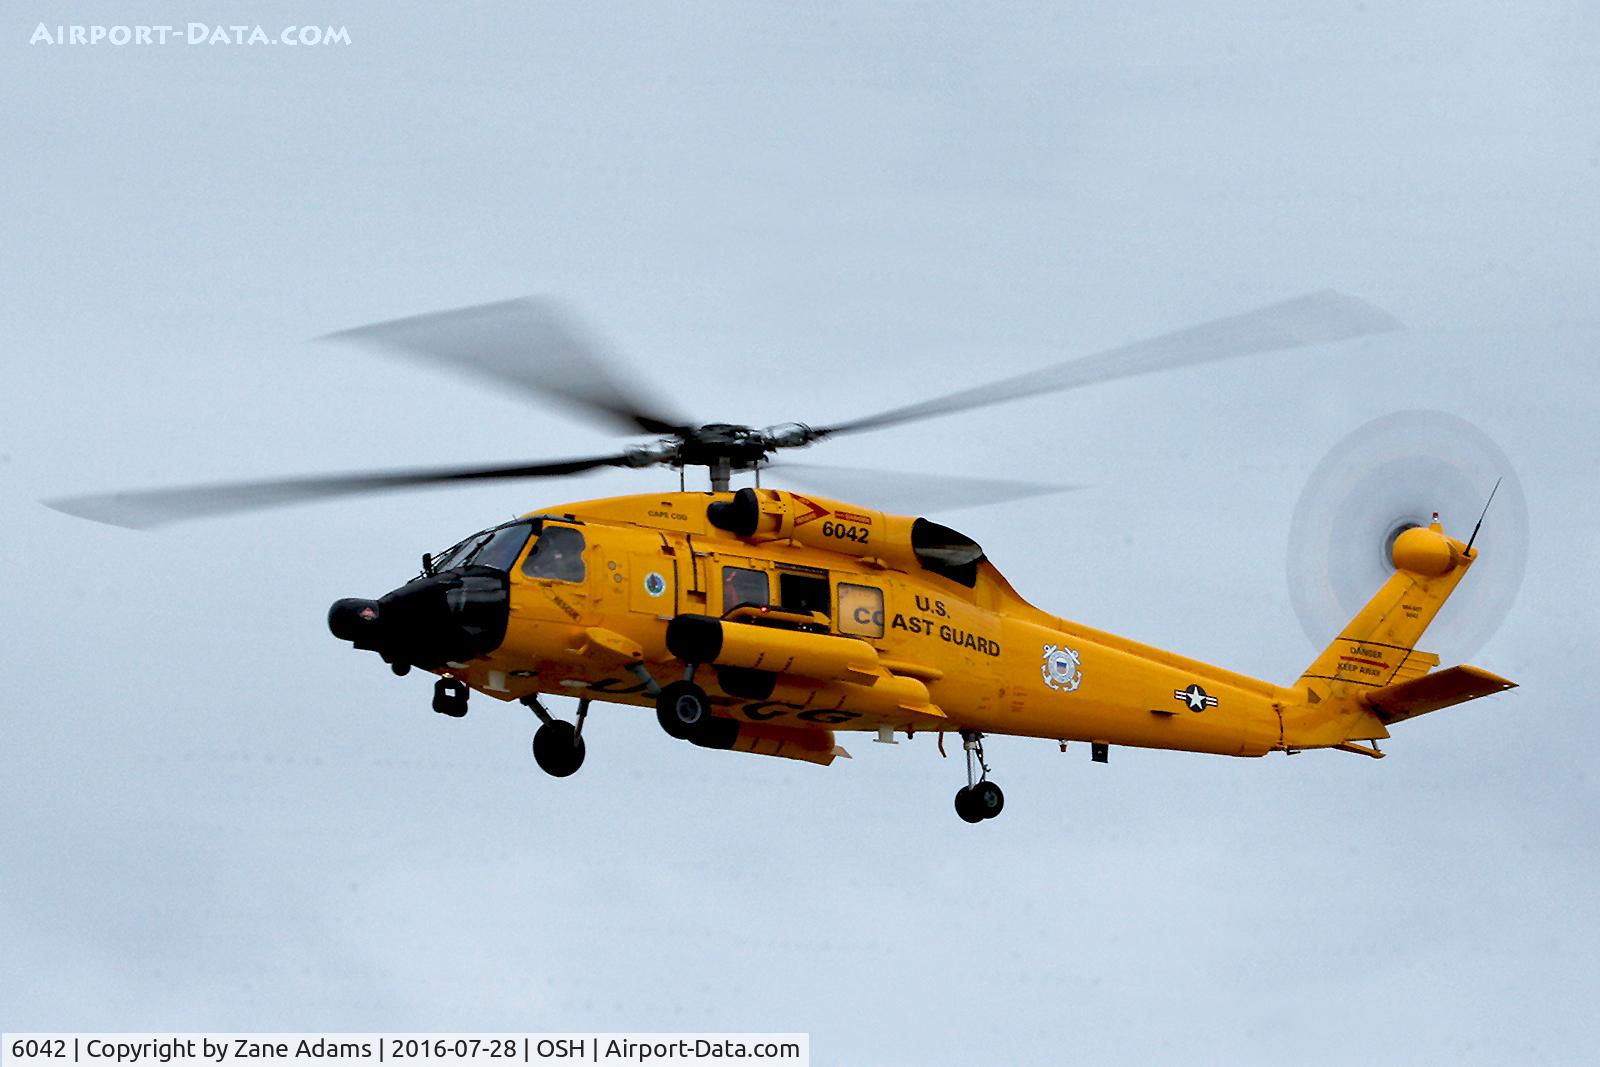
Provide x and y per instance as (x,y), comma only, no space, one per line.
(723,448)
(721,473)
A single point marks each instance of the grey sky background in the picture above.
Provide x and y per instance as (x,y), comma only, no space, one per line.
(215,816)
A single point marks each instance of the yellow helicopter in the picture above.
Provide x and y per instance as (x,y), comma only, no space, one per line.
(768,621)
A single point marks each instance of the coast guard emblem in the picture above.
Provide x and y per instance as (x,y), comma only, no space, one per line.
(1061,668)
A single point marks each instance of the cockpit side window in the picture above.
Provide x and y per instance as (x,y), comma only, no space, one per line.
(558,555)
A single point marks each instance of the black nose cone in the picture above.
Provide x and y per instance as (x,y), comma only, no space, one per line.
(429,622)
(355,620)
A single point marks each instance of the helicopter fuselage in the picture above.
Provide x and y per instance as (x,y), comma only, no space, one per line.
(817,615)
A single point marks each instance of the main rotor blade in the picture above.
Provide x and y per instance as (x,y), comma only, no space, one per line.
(145,509)
(903,493)
(1316,318)
(531,344)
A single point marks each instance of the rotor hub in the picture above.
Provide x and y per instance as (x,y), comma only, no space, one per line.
(740,447)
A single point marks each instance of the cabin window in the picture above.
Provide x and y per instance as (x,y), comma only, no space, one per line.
(860,610)
(803,593)
(558,555)
(741,585)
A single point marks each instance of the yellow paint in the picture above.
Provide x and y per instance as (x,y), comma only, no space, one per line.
(950,657)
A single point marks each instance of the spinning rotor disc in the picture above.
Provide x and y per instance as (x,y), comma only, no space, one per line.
(533,346)
(1390,474)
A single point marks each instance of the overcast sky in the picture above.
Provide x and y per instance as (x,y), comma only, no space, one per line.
(215,816)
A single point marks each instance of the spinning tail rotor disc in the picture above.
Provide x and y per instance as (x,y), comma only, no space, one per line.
(1390,474)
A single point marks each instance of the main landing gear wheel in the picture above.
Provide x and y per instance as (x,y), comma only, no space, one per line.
(981,799)
(557,748)
(683,710)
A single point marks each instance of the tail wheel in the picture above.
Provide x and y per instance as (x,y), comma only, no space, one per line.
(988,799)
(967,804)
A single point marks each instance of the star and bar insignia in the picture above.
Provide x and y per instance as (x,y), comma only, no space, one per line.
(1196,698)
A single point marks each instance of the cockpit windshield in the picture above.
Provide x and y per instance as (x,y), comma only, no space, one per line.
(497,548)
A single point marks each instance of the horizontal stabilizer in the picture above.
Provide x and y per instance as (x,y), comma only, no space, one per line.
(1418,696)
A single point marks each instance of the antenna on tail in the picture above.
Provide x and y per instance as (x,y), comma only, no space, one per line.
(1486,504)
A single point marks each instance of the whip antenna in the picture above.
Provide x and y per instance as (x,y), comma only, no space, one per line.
(1486,504)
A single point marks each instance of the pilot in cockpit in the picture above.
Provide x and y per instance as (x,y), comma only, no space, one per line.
(558,554)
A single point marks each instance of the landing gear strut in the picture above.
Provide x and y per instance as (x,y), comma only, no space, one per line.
(558,746)
(981,799)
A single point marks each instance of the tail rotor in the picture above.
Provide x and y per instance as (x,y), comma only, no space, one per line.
(1389,476)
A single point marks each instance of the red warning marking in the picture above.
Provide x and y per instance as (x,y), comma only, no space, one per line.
(817,510)
(1368,662)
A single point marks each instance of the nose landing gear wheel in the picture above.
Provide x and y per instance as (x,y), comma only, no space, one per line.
(683,710)
(557,748)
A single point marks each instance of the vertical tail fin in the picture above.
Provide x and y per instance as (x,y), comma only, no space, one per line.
(1377,648)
